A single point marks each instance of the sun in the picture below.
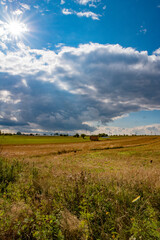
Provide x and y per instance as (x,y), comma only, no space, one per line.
(17,28)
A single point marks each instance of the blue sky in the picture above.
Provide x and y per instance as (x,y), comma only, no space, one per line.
(80,66)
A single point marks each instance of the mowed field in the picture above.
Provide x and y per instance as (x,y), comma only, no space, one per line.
(22,139)
(72,188)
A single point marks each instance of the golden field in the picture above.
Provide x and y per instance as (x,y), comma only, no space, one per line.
(81,190)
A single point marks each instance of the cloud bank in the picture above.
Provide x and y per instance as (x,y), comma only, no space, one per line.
(153,129)
(48,91)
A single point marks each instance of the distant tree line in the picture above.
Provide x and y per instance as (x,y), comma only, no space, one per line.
(82,135)
(103,135)
(77,135)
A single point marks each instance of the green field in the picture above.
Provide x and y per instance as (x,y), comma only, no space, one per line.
(80,191)
(15,139)
(22,139)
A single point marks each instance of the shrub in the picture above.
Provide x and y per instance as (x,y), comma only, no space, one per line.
(8,173)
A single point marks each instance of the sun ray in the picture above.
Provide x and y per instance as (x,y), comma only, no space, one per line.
(16,28)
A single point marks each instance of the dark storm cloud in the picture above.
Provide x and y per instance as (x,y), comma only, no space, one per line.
(9,123)
(43,90)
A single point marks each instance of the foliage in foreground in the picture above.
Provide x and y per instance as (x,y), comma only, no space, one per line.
(81,207)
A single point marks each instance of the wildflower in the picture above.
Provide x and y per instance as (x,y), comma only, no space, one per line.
(137,198)
(107,213)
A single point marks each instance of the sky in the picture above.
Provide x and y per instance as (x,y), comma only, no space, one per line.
(80,66)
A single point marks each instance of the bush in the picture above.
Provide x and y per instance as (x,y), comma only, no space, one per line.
(8,173)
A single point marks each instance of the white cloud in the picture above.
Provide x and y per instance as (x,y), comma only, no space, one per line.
(92,5)
(85,2)
(7,97)
(65,90)
(153,129)
(143,30)
(157,52)
(119,117)
(17,12)
(36,6)
(88,14)
(3,2)
(62,2)
(3,46)
(59,45)
(67,11)
(24,82)
(25,6)
(4,33)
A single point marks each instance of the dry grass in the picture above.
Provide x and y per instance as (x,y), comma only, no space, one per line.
(138,159)
(44,149)
(83,181)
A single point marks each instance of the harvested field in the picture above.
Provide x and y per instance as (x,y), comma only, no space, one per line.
(27,150)
(108,189)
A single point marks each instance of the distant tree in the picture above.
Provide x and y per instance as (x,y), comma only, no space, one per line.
(83,135)
(19,133)
(76,135)
(56,134)
(103,135)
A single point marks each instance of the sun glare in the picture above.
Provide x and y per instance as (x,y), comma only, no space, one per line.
(17,29)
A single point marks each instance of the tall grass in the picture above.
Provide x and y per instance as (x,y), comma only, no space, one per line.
(8,173)
(77,206)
